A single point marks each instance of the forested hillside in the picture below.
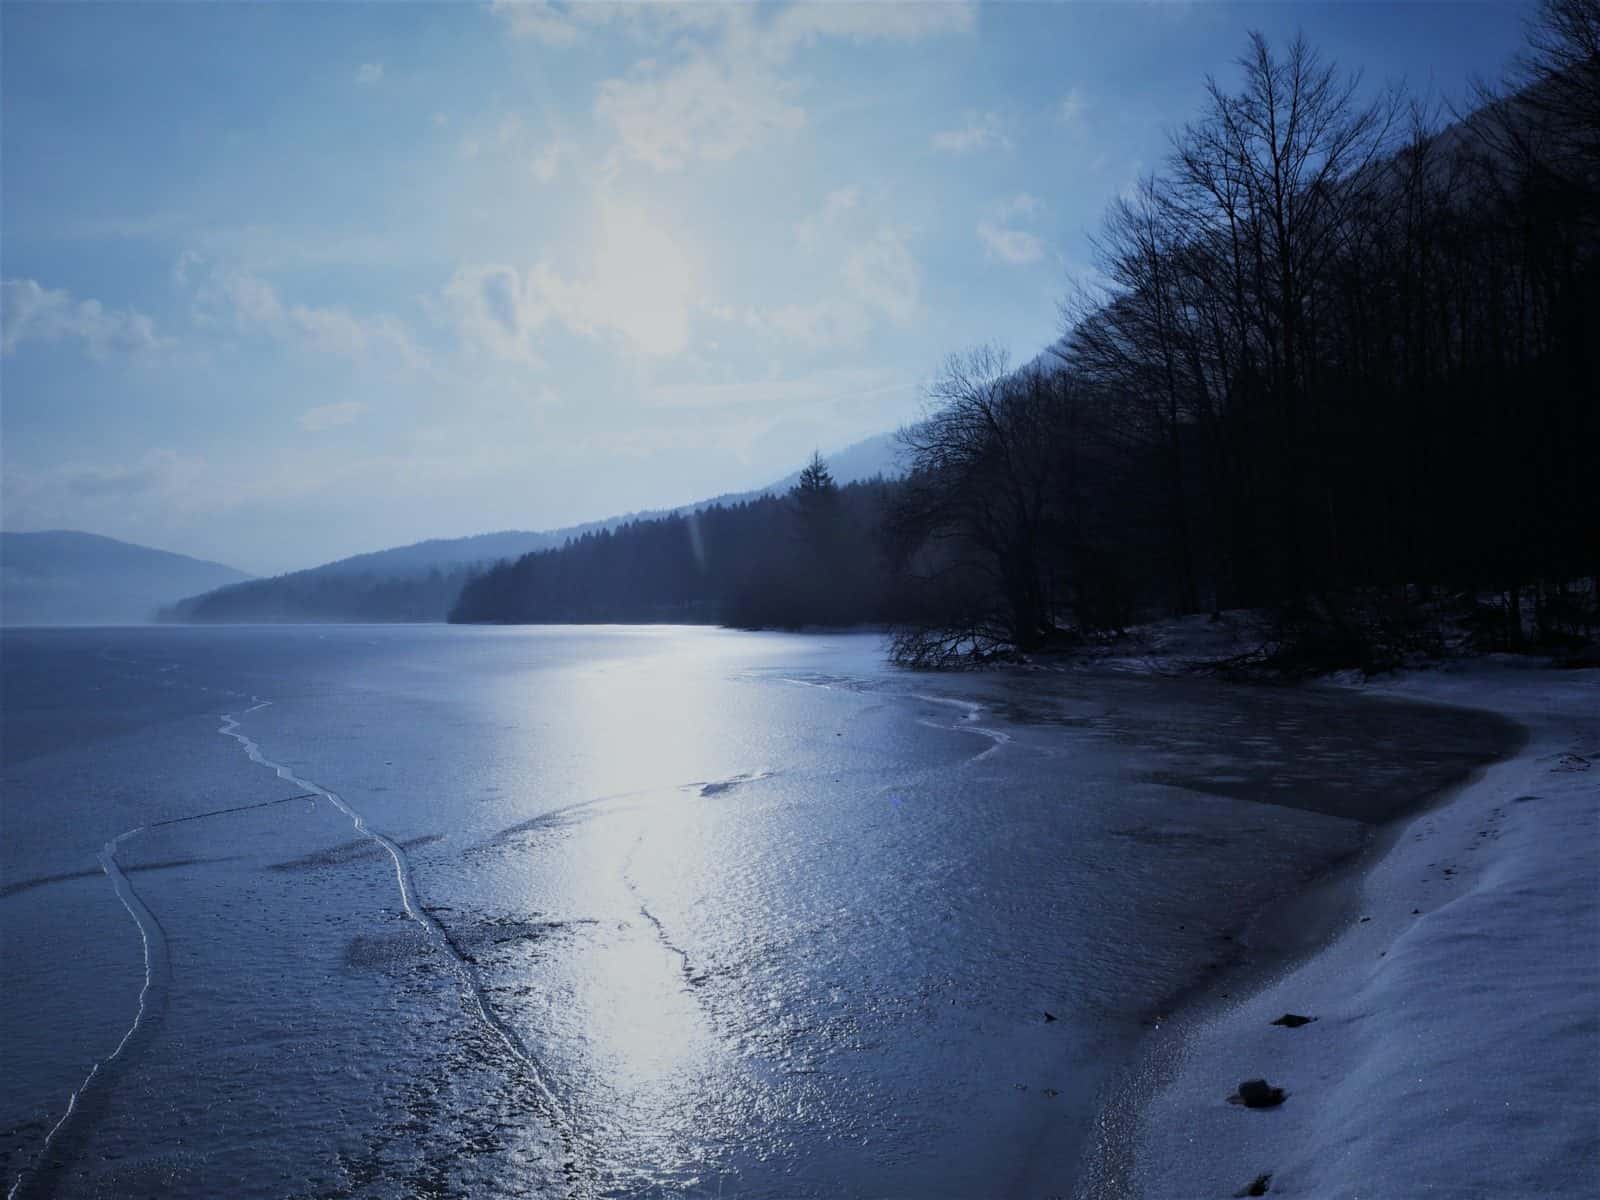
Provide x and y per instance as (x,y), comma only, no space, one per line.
(324,595)
(813,556)
(1346,361)
(1348,364)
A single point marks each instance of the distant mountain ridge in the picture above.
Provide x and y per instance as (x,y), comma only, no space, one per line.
(439,554)
(67,577)
(420,581)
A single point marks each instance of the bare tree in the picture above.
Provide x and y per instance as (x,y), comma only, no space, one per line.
(1546,116)
(990,498)
(1266,184)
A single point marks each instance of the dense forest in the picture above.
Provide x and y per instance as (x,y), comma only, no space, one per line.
(1345,365)
(324,595)
(811,557)
(1348,360)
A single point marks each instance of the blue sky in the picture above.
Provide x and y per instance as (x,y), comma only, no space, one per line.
(289,282)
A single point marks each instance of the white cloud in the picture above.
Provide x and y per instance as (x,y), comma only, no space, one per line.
(234,295)
(705,109)
(543,21)
(503,135)
(561,25)
(329,416)
(29,312)
(885,276)
(876,277)
(440,120)
(496,311)
(369,73)
(1014,246)
(727,90)
(1001,239)
(644,282)
(339,331)
(641,283)
(860,22)
(1023,204)
(979,131)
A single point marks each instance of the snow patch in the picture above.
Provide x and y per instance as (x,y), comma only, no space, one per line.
(1456,1050)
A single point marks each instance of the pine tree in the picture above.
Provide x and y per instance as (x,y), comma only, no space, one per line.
(816,487)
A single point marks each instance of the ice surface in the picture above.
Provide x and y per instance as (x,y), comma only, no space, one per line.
(763,939)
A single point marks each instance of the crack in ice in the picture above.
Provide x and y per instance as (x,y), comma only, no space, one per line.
(414,909)
(152,991)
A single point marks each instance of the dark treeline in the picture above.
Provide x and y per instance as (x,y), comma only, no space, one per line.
(811,557)
(1346,354)
(1342,367)
(328,596)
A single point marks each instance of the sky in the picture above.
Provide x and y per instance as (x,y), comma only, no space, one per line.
(283,283)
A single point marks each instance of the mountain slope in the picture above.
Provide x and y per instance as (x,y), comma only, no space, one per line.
(420,582)
(64,577)
(440,554)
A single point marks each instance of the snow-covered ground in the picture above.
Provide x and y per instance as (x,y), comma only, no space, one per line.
(1455,1050)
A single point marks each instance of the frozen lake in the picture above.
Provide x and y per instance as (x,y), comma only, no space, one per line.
(624,912)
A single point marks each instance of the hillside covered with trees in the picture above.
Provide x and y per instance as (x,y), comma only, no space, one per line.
(1348,356)
(810,557)
(1345,361)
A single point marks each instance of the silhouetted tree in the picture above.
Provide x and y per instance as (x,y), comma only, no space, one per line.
(1342,359)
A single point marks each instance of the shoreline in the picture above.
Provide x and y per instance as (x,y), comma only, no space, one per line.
(1352,938)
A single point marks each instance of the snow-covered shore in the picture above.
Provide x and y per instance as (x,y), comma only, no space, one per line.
(1455,1050)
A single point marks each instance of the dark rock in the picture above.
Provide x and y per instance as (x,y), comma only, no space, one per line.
(1049,1016)
(1259,1186)
(1293,1020)
(1257,1093)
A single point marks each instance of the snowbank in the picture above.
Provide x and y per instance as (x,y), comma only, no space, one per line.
(1455,1050)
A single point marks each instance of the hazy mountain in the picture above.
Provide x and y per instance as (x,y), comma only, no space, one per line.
(420,582)
(68,578)
(441,554)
